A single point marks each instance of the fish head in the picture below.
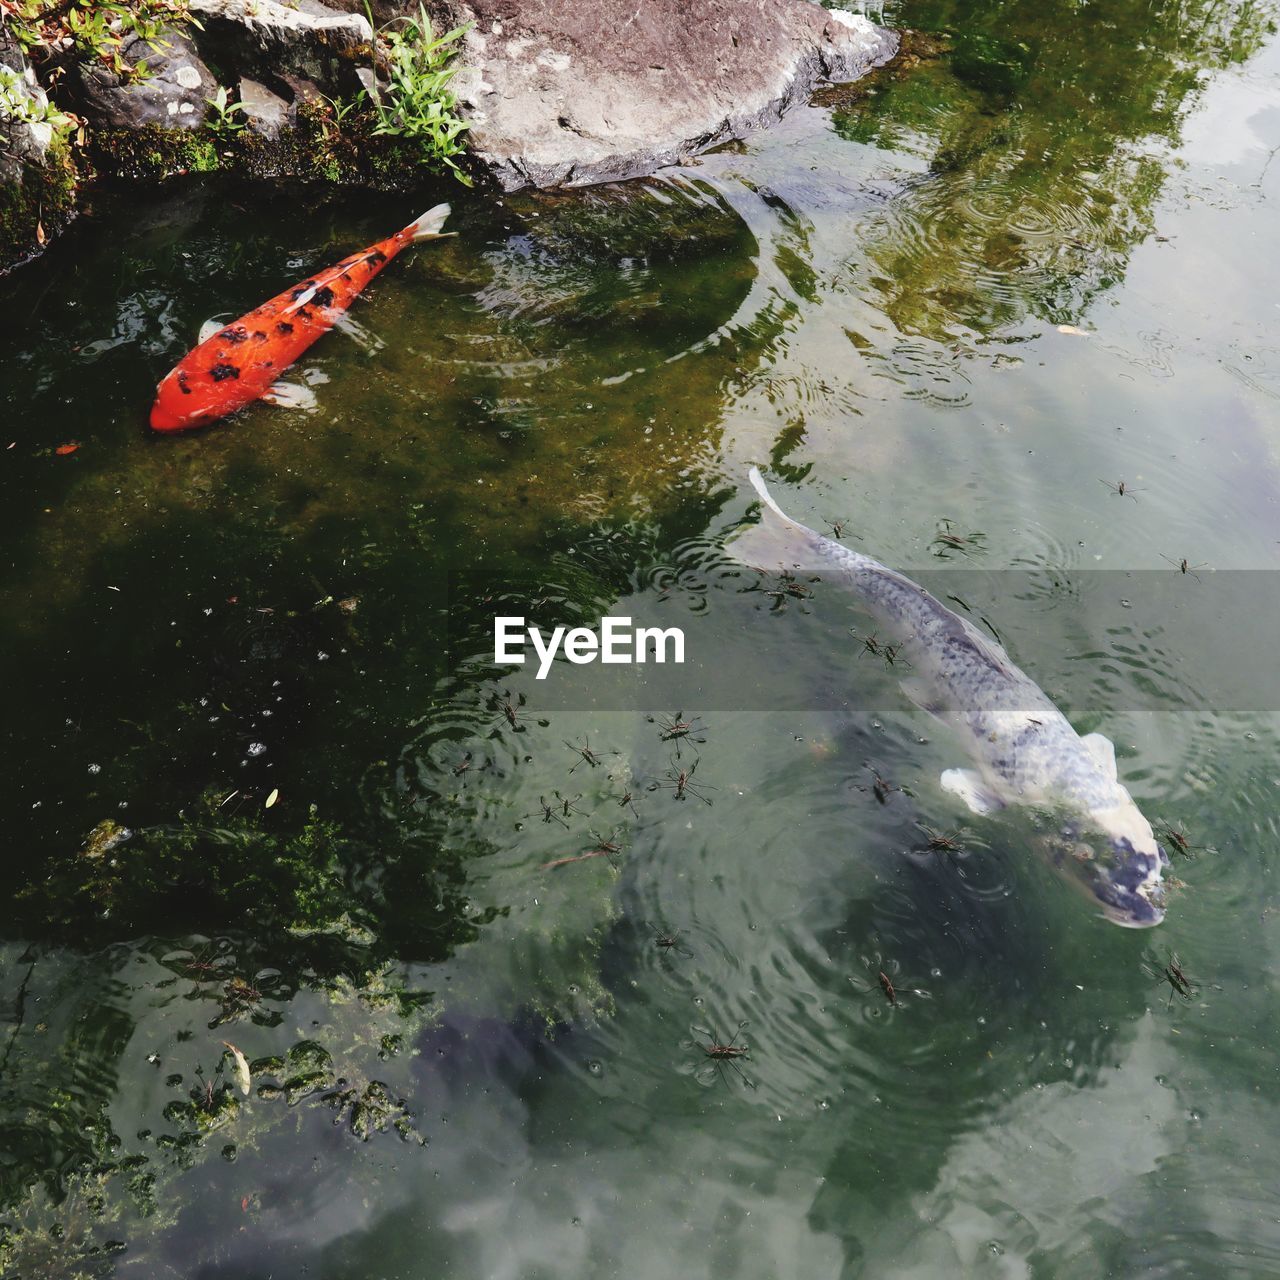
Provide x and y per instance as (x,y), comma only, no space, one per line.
(1120,870)
(1129,884)
(175,410)
(167,417)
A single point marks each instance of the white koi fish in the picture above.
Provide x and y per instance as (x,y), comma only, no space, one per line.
(1024,749)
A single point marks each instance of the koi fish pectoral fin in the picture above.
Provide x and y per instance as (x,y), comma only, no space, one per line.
(289,395)
(966,784)
(1103,751)
(364,338)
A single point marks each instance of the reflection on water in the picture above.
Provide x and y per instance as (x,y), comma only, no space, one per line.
(438,946)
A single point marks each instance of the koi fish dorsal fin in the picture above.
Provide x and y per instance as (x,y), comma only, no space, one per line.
(427,227)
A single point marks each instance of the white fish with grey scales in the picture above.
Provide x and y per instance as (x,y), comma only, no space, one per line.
(1024,749)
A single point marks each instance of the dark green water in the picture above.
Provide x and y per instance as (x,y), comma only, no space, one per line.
(465,1064)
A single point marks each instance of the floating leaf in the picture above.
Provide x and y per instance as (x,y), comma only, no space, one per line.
(1074,331)
(272,798)
(70,447)
(243,1078)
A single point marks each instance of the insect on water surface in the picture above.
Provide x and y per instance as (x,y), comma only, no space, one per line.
(722,1054)
(668,942)
(680,783)
(1122,489)
(588,756)
(1172,973)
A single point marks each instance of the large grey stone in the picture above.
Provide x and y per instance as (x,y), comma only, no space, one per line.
(265,113)
(270,40)
(565,93)
(174,93)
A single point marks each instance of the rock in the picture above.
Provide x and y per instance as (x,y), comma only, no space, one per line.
(303,39)
(22,140)
(174,92)
(38,177)
(264,112)
(300,91)
(565,94)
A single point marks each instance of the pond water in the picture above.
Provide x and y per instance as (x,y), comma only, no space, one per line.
(948,312)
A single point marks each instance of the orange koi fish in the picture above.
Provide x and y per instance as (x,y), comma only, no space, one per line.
(241,362)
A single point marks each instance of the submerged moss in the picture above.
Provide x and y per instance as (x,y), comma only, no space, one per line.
(153,152)
(350,154)
(38,205)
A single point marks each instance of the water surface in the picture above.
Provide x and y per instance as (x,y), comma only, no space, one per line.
(964,299)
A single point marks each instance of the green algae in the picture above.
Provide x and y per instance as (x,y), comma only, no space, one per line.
(40,204)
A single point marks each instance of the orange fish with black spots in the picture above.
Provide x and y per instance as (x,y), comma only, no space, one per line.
(242,362)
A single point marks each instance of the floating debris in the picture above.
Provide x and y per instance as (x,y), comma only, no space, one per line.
(105,837)
(242,1076)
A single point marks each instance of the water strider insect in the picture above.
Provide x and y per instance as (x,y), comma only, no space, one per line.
(894,987)
(549,813)
(626,800)
(1121,489)
(238,997)
(680,782)
(838,527)
(870,644)
(462,766)
(1177,836)
(1172,973)
(667,942)
(1183,567)
(205,1093)
(676,728)
(205,967)
(945,540)
(721,1054)
(589,757)
(510,710)
(882,788)
(941,841)
(569,805)
(603,849)
(789,588)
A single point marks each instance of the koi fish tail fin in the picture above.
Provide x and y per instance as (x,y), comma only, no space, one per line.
(427,227)
(758,484)
(777,541)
